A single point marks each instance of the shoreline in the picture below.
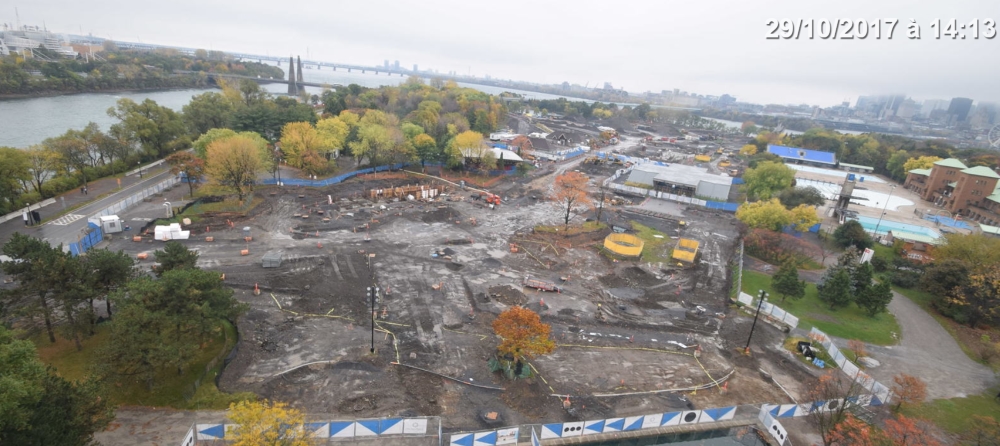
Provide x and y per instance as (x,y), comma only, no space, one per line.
(50,94)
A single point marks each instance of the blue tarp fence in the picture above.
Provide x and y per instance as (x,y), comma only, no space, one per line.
(947,221)
(93,237)
(333,180)
(738,181)
(718,205)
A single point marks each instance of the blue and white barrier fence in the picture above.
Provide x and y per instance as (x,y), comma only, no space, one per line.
(340,430)
(880,393)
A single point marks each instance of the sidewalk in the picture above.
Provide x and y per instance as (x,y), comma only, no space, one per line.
(74,199)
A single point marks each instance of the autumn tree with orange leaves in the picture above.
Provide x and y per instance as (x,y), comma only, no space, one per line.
(833,391)
(908,389)
(571,190)
(900,431)
(522,334)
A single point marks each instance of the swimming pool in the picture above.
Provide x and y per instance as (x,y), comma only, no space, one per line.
(888,225)
(836,173)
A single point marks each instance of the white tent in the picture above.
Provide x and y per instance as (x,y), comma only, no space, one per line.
(172,232)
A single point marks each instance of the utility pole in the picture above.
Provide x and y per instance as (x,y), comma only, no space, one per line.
(761,298)
(372,292)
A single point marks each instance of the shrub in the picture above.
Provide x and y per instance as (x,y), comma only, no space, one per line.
(880,264)
(905,279)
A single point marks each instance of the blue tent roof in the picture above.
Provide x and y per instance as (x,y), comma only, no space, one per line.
(814,156)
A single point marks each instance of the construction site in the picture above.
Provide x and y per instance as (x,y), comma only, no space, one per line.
(375,298)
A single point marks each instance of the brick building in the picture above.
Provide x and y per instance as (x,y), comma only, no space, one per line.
(967,191)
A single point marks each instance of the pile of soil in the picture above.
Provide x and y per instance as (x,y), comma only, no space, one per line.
(507,295)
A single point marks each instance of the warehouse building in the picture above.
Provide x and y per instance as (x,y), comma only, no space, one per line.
(683,180)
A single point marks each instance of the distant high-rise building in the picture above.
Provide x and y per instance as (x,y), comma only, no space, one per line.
(959,108)
(386,64)
(907,109)
(396,65)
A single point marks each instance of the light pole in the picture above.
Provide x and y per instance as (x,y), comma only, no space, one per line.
(760,301)
(139,163)
(372,292)
(883,212)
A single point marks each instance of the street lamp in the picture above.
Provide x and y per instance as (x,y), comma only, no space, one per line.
(139,163)
(883,212)
(761,298)
(372,292)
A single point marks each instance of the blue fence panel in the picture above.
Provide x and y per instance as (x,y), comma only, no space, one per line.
(332,180)
(717,205)
(737,180)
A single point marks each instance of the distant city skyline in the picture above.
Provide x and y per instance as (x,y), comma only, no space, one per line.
(638,46)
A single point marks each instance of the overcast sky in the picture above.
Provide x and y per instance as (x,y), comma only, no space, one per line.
(707,47)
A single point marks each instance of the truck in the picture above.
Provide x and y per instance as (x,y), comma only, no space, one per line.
(540,285)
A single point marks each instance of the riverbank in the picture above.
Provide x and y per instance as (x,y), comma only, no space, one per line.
(52,94)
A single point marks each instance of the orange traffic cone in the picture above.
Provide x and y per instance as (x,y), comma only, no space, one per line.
(541,303)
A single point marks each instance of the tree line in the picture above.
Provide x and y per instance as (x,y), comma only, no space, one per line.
(116,69)
(157,326)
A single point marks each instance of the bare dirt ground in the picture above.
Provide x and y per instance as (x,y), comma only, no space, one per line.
(445,270)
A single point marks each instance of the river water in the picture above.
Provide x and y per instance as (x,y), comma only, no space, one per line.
(24,122)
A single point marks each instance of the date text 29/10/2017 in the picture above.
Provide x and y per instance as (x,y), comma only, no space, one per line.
(877,29)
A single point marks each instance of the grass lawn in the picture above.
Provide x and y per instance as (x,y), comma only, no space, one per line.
(848,323)
(955,415)
(655,249)
(170,388)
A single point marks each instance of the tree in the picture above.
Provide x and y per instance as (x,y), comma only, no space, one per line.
(830,395)
(374,141)
(300,140)
(73,152)
(37,407)
(175,256)
(207,111)
(853,432)
(904,431)
(974,250)
(265,423)
(107,272)
(426,148)
(138,345)
(797,196)
(21,377)
(748,150)
(875,298)
(42,162)
(770,215)
(767,179)
(470,145)
(522,333)
(861,276)
(234,163)
(836,289)
(335,131)
(786,281)
(979,300)
(32,268)
(851,233)
(190,165)
(895,165)
(14,176)
(804,217)
(983,431)
(159,130)
(908,389)
(923,162)
(570,190)
(201,144)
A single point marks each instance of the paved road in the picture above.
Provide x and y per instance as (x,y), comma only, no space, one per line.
(67,229)
(926,350)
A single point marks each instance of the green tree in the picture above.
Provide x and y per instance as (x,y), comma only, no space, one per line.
(159,130)
(795,196)
(73,152)
(767,179)
(173,256)
(39,408)
(32,269)
(895,165)
(861,277)
(201,144)
(770,215)
(980,298)
(138,345)
(42,162)
(974,250)
(14,175)
(786,281)
(804,217)
(207,111)
(300,140)
(190,165)
(335,131)
(21,382)
(107,271)
(874,299)
(426,148)
(836,289)
(851,233)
